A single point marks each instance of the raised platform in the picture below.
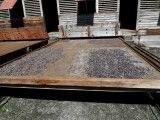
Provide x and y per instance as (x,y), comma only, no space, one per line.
(93,64)
(9,49)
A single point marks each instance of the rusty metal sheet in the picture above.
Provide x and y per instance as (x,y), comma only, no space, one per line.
(8,4)
(45,35)
(30,33)
(36,33)
(26,33)
(23,33)
(17,35)
(6,34)
(1,37)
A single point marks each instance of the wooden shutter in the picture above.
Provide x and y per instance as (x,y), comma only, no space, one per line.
(67,6)
(4,14)
(108,6)
(32,8)
(148,14)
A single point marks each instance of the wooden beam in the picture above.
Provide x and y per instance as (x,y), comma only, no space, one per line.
(147,84)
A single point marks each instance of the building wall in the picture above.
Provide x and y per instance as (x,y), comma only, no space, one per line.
(105,22)
(4,18)
(33,14)
(148,14)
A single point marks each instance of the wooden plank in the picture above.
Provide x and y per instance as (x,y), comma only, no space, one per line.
(149,32)
(5,23)
(147,84)
(73,19)
(10,47)
(33,21)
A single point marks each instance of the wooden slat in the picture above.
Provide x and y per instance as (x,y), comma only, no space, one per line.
(67,6)
(83,19)
(148,84)
(148,14)
(32,8)
(4,14)
(108,5)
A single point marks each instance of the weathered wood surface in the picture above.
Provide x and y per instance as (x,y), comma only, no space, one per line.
(99,29)
(5,23)
(149,32)
(89,25)
(33,21)
(73,19)
(10,47)
(148,14)
(104,24)
(70,6)
(147,84)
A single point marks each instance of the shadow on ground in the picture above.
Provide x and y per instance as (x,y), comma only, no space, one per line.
(79,96)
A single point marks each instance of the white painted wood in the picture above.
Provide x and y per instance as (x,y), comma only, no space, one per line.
(24,10)
(4,14)
(32,8)
(41,8)
(58,9)
(67,7)
(108,5)
(148,14)
(138,10)
(97,7)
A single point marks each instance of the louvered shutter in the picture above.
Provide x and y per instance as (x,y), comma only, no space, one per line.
(4,14)
(32,8)
(108,5)
(149,14)
(67,6)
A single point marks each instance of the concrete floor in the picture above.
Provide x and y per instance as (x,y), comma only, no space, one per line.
(79,106)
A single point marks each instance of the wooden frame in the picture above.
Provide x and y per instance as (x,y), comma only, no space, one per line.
(81,83)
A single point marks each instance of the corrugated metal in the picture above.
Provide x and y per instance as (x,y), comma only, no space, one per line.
(149,14)
(7,4)
(105,22)
(67,6)
(32,8)
(96,18)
